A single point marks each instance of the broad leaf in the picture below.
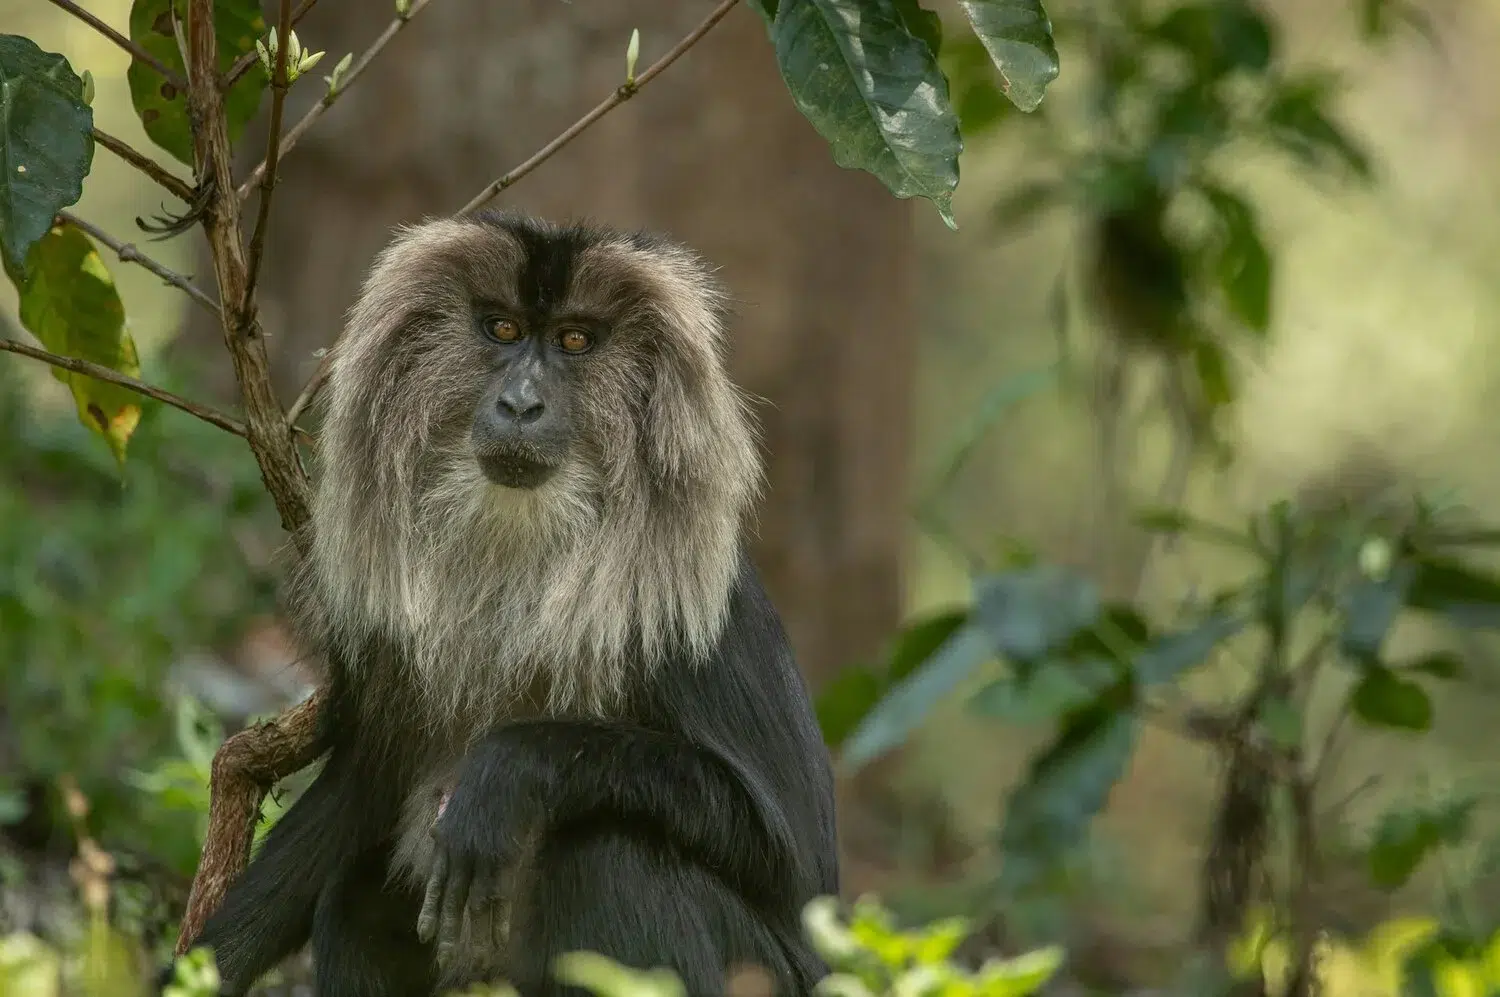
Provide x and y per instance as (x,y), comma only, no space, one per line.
(69,302)
(1220,36)
(1298,122)
(845,701)
(874,91)
(1405,837)
(1068,784)
(1371,606)
(1465,596)
(1384,699)
(1170,657)
(1030,613)
(1018,36)
(920,641)
(1244,263)
(910,702)
(46,143)
(1438,664)
(1055,689)
(161,106)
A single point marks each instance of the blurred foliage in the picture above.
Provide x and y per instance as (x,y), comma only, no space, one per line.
(115,571)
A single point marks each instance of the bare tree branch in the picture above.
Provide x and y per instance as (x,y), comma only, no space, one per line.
(102,373)
(243,63)
(136,52)
(279,85)
(127,253)
(623,93)
(353,73)
(174,186)
(310,390)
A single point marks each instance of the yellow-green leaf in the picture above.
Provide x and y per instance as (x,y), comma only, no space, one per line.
(69,302)
(161,106)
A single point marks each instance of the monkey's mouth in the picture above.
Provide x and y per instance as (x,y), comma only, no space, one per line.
(515,470)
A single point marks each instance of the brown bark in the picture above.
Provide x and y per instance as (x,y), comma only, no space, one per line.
(716,154)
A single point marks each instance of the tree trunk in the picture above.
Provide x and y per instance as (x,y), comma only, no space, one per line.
(819,259)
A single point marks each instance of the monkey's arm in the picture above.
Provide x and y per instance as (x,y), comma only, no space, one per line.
(542,774)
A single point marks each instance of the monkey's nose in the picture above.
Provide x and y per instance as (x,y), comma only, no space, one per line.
(521,403)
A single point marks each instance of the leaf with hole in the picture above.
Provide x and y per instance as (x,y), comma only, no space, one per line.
(46,143)
(875,93)
(1018,36)
(69,302)
(1030,613)
(1049,814)
(1382,698)
(909,703)
(161,106)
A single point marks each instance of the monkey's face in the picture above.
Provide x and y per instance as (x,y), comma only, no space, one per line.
(525,420)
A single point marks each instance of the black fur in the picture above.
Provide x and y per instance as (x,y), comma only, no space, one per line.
(688,832)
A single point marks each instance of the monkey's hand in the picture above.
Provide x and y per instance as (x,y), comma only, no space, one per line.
(484,828)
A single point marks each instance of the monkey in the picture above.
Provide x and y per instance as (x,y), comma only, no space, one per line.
(561,712)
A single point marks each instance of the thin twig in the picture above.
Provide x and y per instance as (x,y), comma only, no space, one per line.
(310,389)
(125,43)
(127,253)
(279,85)
(353,73)
(621,94)
(102,373)
(174,186)
(242,65)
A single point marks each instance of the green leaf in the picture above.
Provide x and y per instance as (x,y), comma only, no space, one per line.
(1212,367)
(69,302)
(1018,36)
(1068,783)
(845,701)
(1371,606)
(920,641)
(1282,721)
(46,143)
(1219,36)
(1032,612)
(1384,699)
(1465,596)
(909,703)
(1438,664)
(874,91)
(1405,837)
(161,106)
(1057,688)
(922,23)
(1297,121)
(1168,658)
(1244,263)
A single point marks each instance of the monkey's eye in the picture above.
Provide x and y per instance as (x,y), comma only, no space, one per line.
(502,330)
(575,341)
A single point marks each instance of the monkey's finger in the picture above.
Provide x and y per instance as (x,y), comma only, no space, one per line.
(427,920)
(455,898)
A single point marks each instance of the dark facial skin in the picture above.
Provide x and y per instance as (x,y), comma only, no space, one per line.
(524,422)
